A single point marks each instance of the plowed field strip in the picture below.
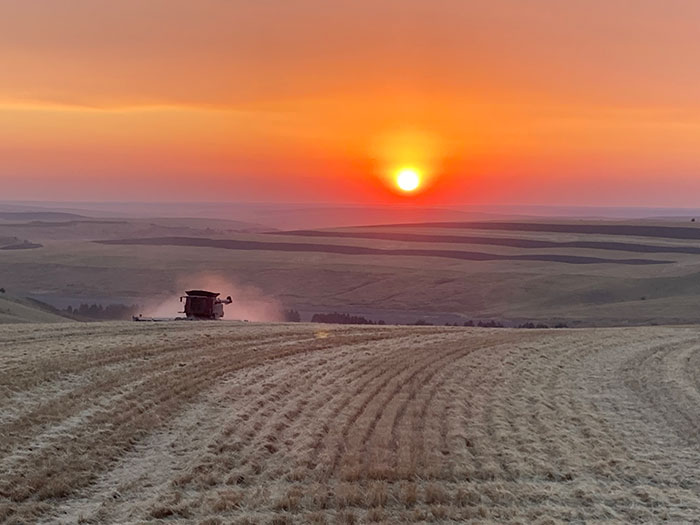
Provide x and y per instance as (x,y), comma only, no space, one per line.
(334,443)
(107,389)
(141,407)
(362,399)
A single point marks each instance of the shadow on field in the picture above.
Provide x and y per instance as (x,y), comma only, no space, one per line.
(232,244)
(500,241)
(666,232)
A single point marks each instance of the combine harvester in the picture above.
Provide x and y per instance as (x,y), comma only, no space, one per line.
(199,305)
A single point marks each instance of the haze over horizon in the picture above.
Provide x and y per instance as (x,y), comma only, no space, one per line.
(495,103)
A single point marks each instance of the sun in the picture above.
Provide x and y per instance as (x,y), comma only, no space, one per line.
(408,179)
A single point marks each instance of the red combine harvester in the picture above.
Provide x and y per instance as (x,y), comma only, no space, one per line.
(200,304)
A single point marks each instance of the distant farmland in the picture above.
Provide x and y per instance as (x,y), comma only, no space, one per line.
(591,228)
(498,241)
(581,273)
(230,244)
(235,423)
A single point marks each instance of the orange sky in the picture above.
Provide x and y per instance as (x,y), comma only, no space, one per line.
(498,101)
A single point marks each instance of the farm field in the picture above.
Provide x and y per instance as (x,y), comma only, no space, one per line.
(582,273)
(299,423)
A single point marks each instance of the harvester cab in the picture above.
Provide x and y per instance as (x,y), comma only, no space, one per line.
(201,304)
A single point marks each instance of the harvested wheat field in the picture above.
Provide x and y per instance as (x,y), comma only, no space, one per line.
(241,423)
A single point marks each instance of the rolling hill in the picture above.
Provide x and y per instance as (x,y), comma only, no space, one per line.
(582,273)
(15,310)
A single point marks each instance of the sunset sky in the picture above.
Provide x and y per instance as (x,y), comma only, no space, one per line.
(593,102)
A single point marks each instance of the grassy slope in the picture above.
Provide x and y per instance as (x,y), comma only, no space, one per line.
(13,310)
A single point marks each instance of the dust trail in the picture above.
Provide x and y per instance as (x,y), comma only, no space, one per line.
(249,302)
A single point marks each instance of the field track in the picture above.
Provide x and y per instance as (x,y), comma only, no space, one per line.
(243,423)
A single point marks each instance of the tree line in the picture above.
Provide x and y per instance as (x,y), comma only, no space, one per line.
(338,318)
(111,312)
(293,316)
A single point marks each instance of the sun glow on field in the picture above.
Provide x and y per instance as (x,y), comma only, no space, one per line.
(408,179)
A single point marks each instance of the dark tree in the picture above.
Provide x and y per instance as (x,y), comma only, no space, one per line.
(99,312)
(338,318)
(292,316)
(490,324)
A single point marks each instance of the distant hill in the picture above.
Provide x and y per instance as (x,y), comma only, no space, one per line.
(15,243)
(53,229)
(15,310)
(38,216)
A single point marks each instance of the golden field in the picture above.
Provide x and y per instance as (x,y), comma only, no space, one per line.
(198,422)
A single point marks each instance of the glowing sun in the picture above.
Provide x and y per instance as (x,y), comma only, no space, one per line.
(408,179)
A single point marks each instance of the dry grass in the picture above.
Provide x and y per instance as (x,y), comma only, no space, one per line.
(14,310)
(233,423)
